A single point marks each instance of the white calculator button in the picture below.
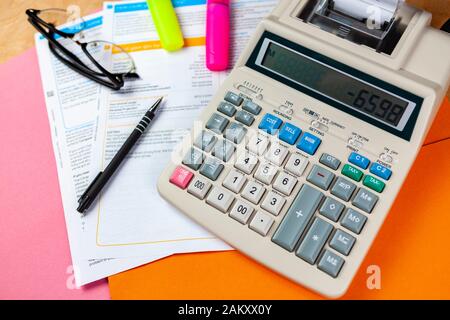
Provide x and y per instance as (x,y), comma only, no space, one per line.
(234,181)
(253,192)
(266,172)
(261,223)
(241,211)
(297,164)
(273,203)
(276,154)
(258,144)
(246,162)
(220,199)
(199,187)
(285,183)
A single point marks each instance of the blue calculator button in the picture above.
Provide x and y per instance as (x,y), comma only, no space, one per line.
(289,133)
(359,160)
(381,171)
(270,123)
(309,143)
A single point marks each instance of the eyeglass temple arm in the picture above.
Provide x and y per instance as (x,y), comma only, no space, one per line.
(53,41)
(114,83)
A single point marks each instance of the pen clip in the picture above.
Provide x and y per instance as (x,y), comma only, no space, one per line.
(83,196)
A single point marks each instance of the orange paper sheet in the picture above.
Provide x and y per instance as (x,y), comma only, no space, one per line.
(411,250)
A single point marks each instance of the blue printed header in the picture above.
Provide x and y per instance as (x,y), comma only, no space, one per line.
(86,25)
(139,6)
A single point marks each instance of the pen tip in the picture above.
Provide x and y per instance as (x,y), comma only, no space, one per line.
(156,104)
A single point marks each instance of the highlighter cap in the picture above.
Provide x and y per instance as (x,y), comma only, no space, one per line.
(223,2)
(166,23)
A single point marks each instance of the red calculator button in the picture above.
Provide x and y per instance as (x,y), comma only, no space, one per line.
(181,177)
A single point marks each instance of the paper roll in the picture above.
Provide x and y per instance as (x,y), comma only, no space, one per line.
(377,11)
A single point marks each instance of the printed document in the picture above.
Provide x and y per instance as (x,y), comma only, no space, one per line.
(131,214)
(73,107)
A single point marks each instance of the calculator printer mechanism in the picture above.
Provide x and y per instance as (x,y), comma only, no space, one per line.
(352,102)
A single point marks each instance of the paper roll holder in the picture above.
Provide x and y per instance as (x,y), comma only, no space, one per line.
(382,37)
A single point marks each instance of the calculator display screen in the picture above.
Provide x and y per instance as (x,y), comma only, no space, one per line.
(350,90)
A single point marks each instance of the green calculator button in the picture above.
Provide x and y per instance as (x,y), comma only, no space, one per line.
(352,172)
(374,184)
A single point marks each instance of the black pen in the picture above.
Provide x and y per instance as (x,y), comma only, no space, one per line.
(103,177)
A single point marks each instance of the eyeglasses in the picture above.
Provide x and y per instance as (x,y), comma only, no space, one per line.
(101,61)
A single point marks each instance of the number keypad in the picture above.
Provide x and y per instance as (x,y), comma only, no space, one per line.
(273,181)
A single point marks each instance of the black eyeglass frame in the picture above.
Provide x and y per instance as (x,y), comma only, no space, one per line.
(116,80)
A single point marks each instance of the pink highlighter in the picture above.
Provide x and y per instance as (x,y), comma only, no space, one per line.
(217,34)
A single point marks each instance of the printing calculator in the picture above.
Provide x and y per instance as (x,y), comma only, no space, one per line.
(300,155)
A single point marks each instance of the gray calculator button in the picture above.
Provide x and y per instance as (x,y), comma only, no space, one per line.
(217,123)
(331,263)
(251,107)
(211,168)
(331,209)
(253,192)
(261,223)
(353,221)
(199,187)
(343,189)
(234,99)
(365,200)
(234,181)
(245,118)
(297,217)
(246,162)
(330,161)
(342,242)
(235,132)
(193,159)
(241,211)
(227,109)
(315,239)
(320,177)
(205,141)
(220,199)
(223,150)
(273,203)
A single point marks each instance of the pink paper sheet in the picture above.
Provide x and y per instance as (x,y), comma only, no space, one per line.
(35,260)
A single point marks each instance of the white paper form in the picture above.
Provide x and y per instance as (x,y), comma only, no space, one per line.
(73,104)
(131,213)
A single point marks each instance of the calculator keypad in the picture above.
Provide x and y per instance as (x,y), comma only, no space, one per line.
(328,210)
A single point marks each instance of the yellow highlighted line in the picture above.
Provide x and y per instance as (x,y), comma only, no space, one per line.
(156,44)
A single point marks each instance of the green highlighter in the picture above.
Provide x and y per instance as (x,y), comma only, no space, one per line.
(166,22)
